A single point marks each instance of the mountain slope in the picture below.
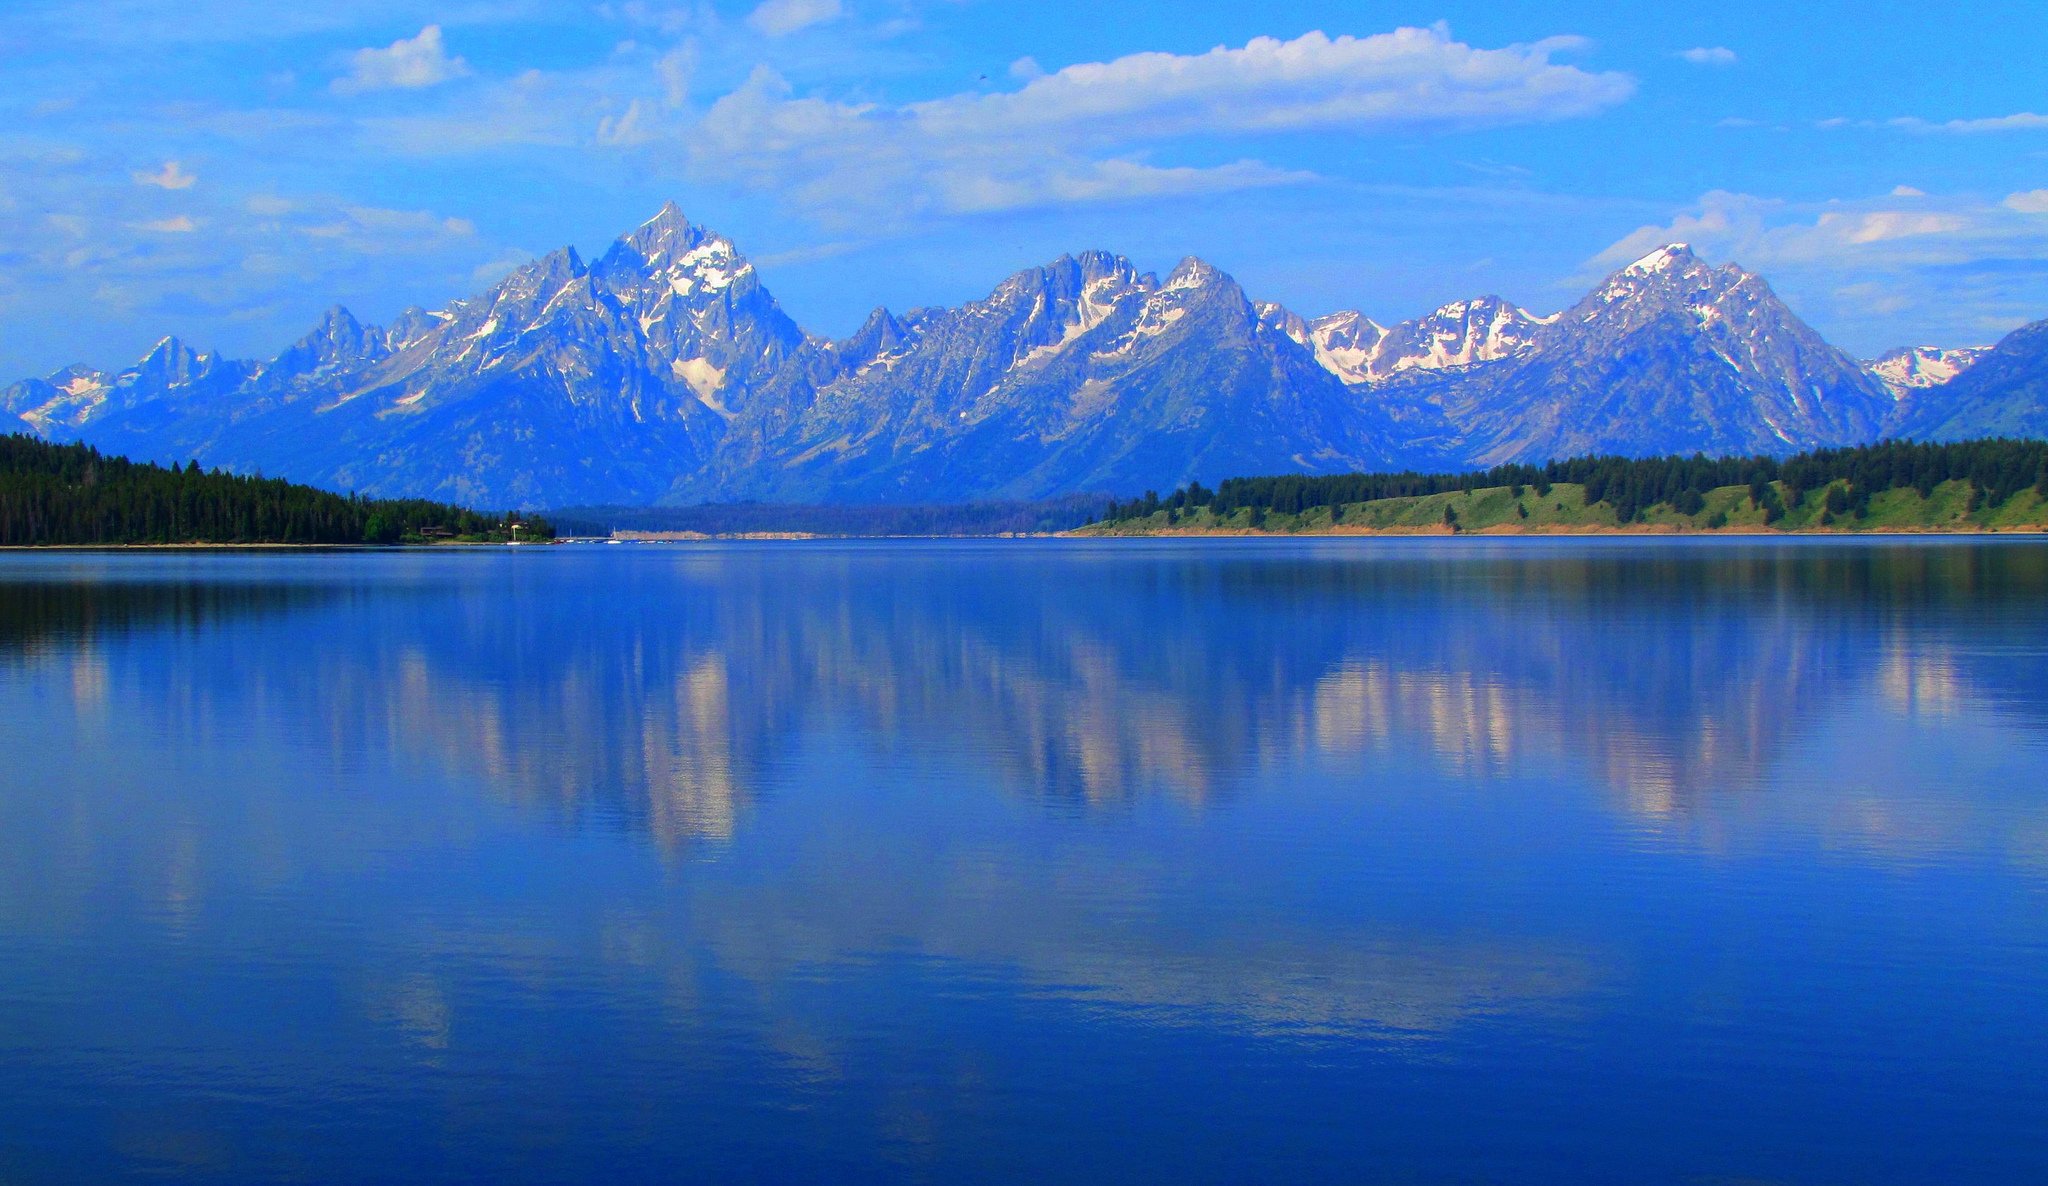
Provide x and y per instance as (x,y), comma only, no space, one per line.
(666,372)
(2004,393)
(1668,355)
(1080,375)
(1915,368)
(563,383)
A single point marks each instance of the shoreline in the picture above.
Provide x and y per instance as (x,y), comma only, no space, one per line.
(1553,530)
(1644,530)
(257,547)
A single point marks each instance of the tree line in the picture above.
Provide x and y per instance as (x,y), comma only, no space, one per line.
(72,494)
(1996,470)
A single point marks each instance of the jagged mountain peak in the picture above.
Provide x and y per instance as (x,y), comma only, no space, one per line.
(1097,264)
(550,271)
(1673,281)
(337,318)
(170,362)
(668,232)
(1911,368)
(1673,354)
(2004,392)
(882,337)
(669,252)
(1454,336)
(1668,258)
(1196,272)
(1488,307)
(1099,274)
(1285,322)
(339,340)
(665,370)
(670,216)
(1345,343)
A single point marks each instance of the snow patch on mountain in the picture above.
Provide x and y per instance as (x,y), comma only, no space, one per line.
(1911,368)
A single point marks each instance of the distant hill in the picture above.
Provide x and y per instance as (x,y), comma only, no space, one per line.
(2004,391)
(73,495)
(665,372)
(1897,485)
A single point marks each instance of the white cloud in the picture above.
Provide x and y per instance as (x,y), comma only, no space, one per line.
(406,64)
(1958,266)
(530,110)
(171,176)
(1408,78)
(1084,133)
(1892,230)
(676,69)
(1879,226)
(780,18)
(627,128)
(109,268)
(1709,55)
(1907,191)
(2023,121)
(379,231)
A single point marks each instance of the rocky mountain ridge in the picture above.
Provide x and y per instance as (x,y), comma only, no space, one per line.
(665,372)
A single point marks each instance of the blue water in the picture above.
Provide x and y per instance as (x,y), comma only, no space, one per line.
(1413,861)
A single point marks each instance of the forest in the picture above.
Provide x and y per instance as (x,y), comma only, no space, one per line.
(1995,471)
(53,494)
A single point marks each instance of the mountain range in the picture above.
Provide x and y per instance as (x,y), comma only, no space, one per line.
(664,372)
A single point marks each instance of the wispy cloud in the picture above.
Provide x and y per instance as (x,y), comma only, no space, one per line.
(171,176)
(1709,55)
(1966,267)
(780,18)
(406,64)
(1085,133)
(2022,121)
(88,241)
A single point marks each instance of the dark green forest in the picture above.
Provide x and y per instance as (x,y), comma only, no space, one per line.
(72,494)
(1995,469)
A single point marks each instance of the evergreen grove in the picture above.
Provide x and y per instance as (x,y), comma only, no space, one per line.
(71,494)
(1995,469)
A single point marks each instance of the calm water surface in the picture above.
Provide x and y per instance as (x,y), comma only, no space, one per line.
(1415,861)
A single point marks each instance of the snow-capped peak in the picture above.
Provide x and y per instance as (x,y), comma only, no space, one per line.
(1911,367)
(1664,259)
(1192,272)
(669,217)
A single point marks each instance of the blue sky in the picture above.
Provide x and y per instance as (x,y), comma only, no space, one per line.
(225,169)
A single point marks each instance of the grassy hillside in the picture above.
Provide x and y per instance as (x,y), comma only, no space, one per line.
(1988,485)
(72,495)
(1500,510)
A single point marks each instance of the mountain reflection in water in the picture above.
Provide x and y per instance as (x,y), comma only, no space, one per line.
(768,822)
(664,687)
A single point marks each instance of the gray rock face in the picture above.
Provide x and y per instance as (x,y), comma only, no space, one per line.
(665,372)
(2003,393)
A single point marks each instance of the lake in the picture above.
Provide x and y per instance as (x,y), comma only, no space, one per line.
(1407,861)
